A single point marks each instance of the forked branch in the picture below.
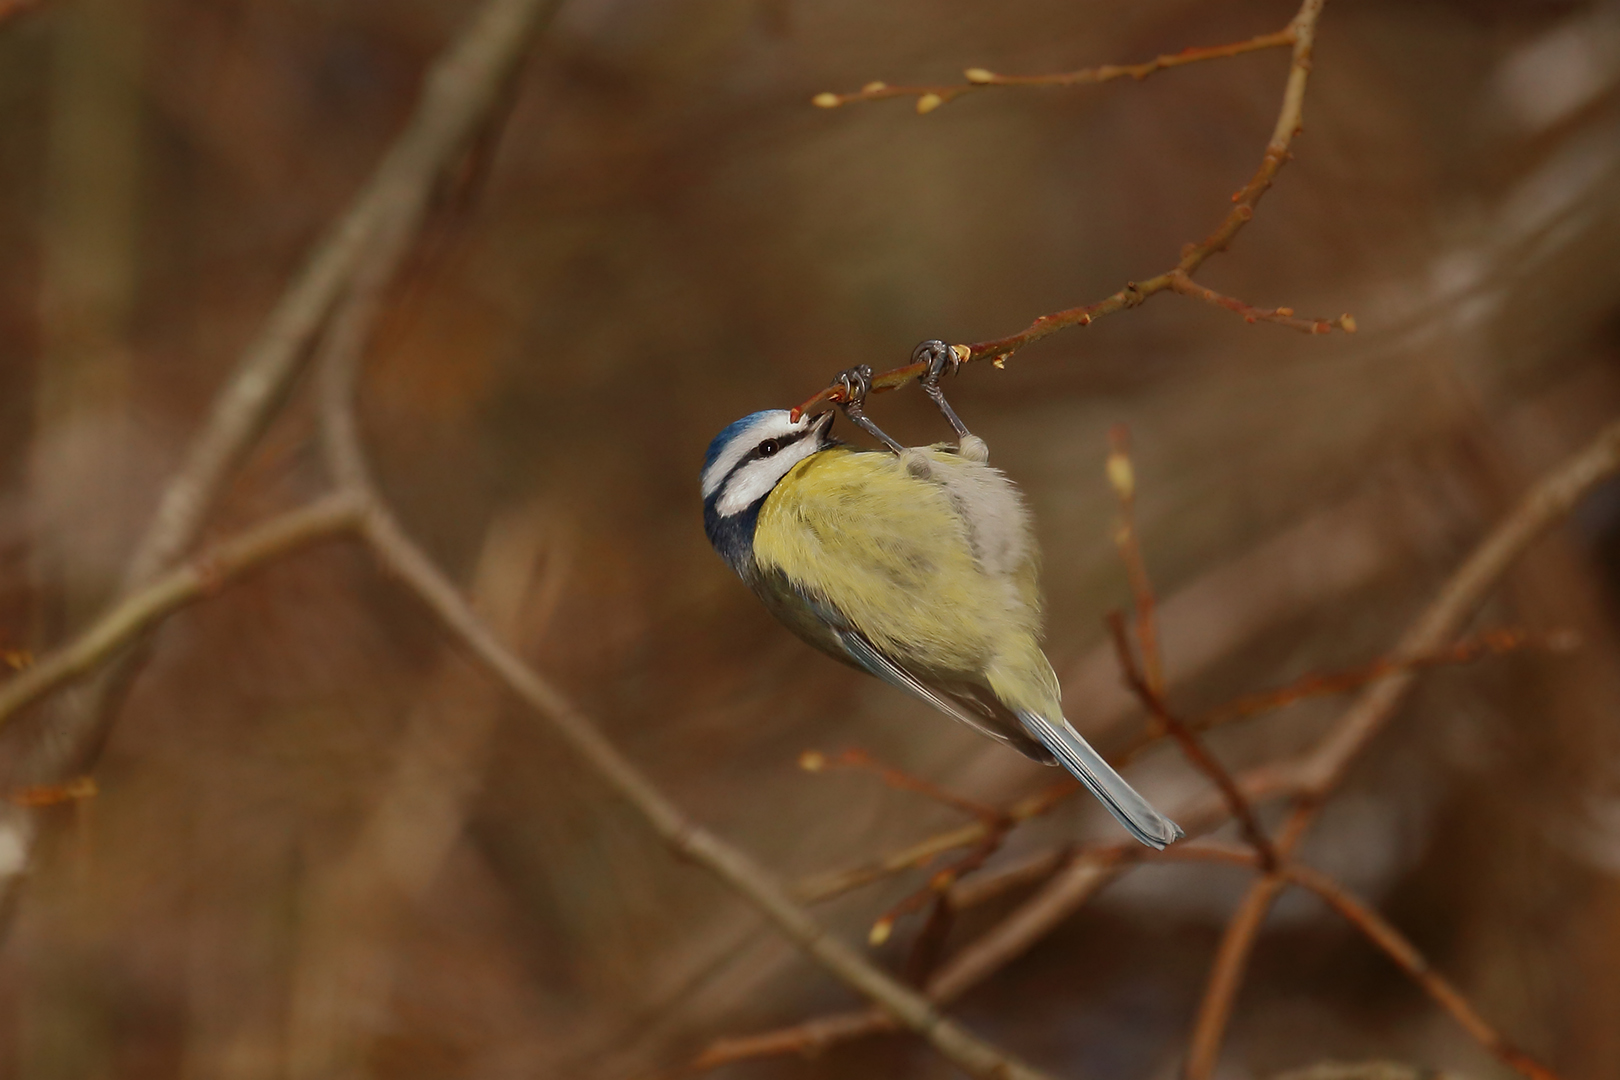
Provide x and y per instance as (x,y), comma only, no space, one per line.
(1300,34)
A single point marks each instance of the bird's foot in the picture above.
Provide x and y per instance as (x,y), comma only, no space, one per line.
(941,360)
(854,384)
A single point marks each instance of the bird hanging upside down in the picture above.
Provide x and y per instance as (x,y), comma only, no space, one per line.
(917,565)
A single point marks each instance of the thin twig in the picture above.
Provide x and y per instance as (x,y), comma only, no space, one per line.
(1147,681)
(1122,478)
(1192,746)
(1071,878)
(825,886)
(995,822)
(410,567)
(152,603)
(932,97)
(814,761)
(1377,930)
(1547,502)
(1322,684)
(1010,938)
(939,885)
(1394,944)
(1301,33)
(1282,316)
(464,85)
(1079,876)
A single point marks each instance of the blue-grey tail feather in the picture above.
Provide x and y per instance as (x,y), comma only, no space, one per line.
(1134,812)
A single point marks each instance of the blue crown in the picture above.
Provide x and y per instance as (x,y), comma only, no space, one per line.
(729,433)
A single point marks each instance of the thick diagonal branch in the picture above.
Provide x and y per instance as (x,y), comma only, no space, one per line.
(341,359)
(1547,502)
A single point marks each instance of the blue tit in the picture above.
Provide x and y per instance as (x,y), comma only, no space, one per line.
(918,566)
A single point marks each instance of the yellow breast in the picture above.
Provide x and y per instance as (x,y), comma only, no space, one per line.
(936,576)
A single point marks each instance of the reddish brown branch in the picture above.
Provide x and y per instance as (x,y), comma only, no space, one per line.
(1192,746)
(1282,316)
(39,796)
(1122,478)
(1387,939)
(825,886)
(996,825)
(1323,684)
(1301,34)
(815,761)
(1491,643)
(1083,878)
(1147,682)
(932,97)
(1406,955)
(929,945)
(1078,876)
(1547,502)
(939,884)
(149,605)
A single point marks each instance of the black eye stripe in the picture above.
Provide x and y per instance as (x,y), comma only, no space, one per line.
(782,443)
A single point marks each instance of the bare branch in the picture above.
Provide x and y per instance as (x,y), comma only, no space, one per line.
(1321,684)
(459,93)
(152,603)
(1193,747)
(1301,34)
(1282,316)
(413,569)
(1547,503)
(1376,929)
(1122,478)
(930,98)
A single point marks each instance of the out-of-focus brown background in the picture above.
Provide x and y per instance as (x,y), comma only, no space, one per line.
(326,846)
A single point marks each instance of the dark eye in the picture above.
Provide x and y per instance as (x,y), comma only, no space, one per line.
(769,447)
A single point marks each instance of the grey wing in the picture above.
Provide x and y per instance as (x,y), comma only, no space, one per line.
(823,625)
(864,653)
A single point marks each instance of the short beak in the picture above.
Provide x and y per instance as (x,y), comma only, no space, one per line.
(821,423)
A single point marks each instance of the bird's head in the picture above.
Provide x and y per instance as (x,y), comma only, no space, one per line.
(745,462)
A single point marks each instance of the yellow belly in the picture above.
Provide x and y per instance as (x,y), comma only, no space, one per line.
(925,577)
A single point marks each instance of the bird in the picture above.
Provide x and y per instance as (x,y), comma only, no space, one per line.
(917,565)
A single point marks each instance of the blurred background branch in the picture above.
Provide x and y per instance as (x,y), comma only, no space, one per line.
(458,94)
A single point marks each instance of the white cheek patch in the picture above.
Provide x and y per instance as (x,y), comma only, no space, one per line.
(754,481)
(774,425)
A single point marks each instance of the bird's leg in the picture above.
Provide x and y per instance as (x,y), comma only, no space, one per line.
(942,360)
(856,383)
